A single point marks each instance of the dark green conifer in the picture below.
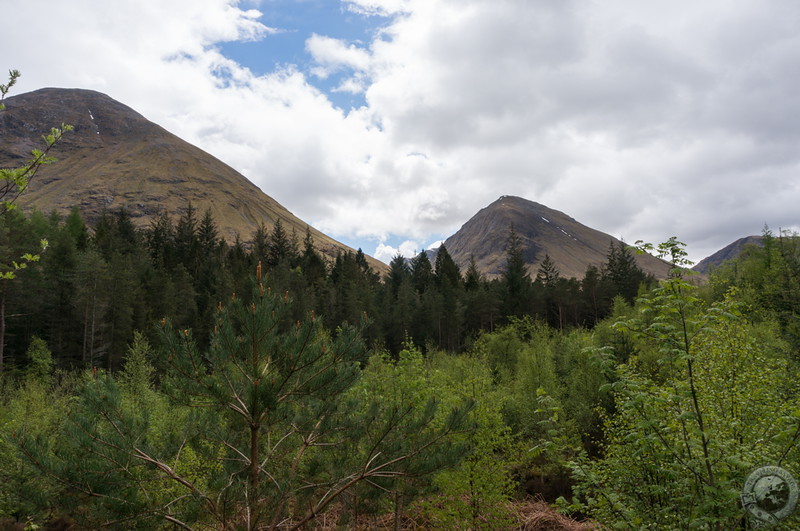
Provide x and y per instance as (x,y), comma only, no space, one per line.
(516,281)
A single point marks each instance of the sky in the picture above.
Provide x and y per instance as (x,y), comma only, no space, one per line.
(387,124)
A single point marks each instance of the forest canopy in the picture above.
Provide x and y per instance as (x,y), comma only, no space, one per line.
(164,377)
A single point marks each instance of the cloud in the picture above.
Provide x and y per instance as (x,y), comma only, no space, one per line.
(639,119)
(334,54)
(407,249)
(378,7)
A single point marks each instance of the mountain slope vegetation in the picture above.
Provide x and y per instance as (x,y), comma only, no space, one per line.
(542,232)
(116,158)
(160,376)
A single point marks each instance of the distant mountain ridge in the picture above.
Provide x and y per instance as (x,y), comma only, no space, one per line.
(117,158)
(542,231)
(729,252)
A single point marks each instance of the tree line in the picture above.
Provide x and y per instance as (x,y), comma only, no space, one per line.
(163,379)
(257,411)
(95,286)
(116,327)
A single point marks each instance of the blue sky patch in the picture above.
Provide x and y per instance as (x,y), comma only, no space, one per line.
(295,22)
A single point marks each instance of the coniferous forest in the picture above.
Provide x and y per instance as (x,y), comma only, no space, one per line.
(167,379)
(163,378)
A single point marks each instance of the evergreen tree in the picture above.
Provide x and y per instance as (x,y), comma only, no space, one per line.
(125,309)
(260,244)
(593,305)
(622,271)
(55,307)
(258,432)
(208,273)
(186,242)
(399,271)
(548,272)
(313,265)
(421,272)
(13,182)
(76,228)
(446,270)
(40,360)
(115,233)
(432,415)
(92,297)
(160,242)
(399,302)
(16,237)
(450,317)
(516,282)
(473,277)
(281,250)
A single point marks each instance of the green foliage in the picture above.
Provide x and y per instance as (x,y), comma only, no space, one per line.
(13,182)
(136,376)
(716,402)
(516,281)
(263,429)
(273,386)
(40,360)
(622,272)
(13,75)
(768,281)
(37,408)
(476,493)
(548,272)
(403,410)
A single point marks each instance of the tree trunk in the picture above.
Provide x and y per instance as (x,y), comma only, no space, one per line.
(398,510)
(253,501)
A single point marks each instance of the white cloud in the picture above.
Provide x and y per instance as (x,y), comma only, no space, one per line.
(407,249)
(642,120)
(378,7)
(332,55)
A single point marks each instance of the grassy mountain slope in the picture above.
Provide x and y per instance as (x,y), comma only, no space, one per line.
(542,231)
(116,158)
(729,252)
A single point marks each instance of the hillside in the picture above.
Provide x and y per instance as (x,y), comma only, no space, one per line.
(117,158)
(729,252)
(542,231)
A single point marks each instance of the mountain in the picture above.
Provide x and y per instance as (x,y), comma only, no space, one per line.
(116,158)
(542,231)
(729,252)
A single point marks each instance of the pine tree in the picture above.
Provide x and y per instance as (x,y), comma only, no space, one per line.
(450,318)
(313,265)
(548,272)
(421,272)
(446,270)
(260,244)
(281,250)
(622,271)
(13,182)
(259,431)
(516,282)
(481,303)
(76,228)
(399,271)
(473,277)
(160,242)
(186,242)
